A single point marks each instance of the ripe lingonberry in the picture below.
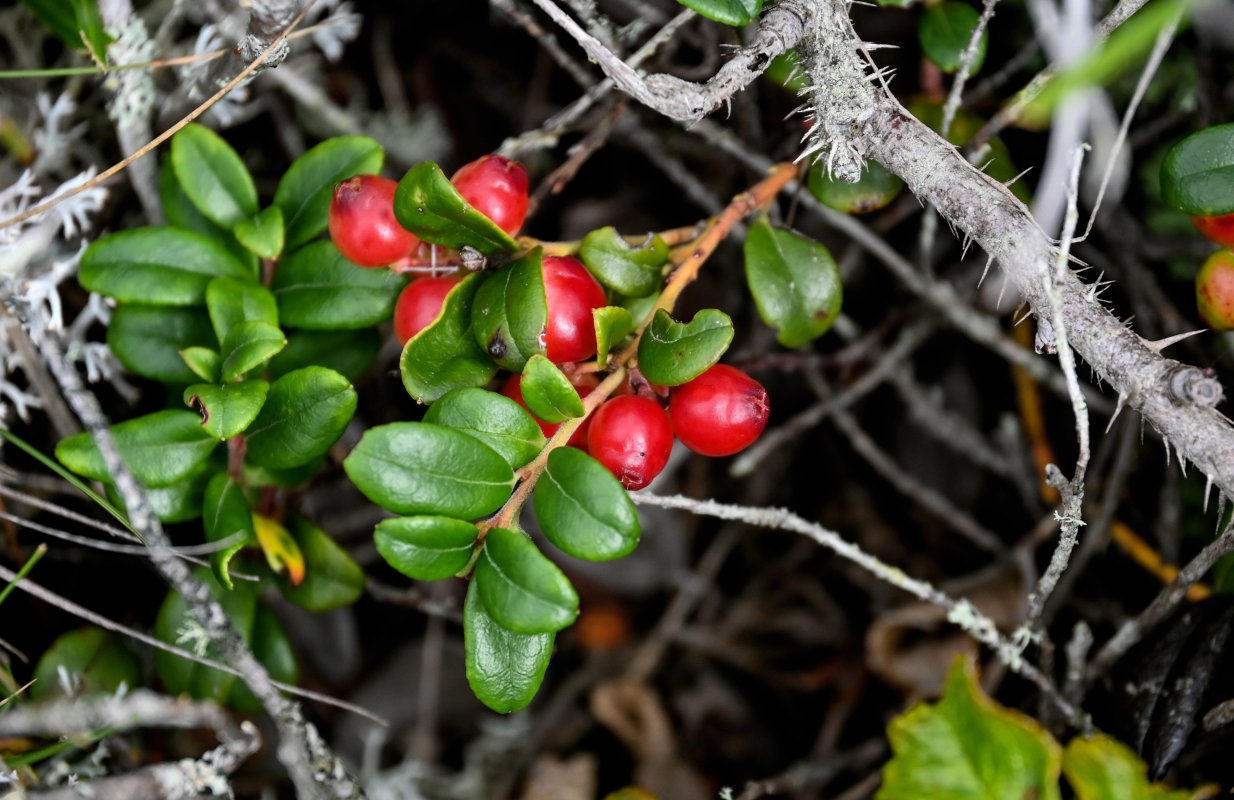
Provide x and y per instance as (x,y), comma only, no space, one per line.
(362,222)
(632,437)
(571,294)
(419,304)
(584,382)
(1219,229)
(1214,291)
(720,412)
(497,188)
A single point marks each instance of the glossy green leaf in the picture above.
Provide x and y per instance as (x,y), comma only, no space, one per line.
(349,353)
(494,419)
(305,190)
(212,175)
(505,669)
(96,661)
(181,213)
(613,324)
(520,587)
(160,448)
(263,233)
(1099,767)
(548,393)
(317,288)
(640,307)
(445,355)
(225,512)
(249,345)
(967,747)
(180,502)
(421,468)
(630,270)
(305,413)
(509,314)
(945,32)
(875,189)
(76,22)
(273,649)
(1197,176)
(148,339)
(730,12)
(332,579)
(671,353)
(583,509)
(226,410)
(286,478)
(231,301)
(428,205)
(156,266)
(426,548)
(795,283)
(203,362)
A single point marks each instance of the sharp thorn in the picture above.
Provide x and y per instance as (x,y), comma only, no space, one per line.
(1160,344)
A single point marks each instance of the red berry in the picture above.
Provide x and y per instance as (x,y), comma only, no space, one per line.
(571,294)
(1214,291)
(419,304)
(720,412)
(362,222)
(1219,229)
(584,382)
(632,437)
(497,188)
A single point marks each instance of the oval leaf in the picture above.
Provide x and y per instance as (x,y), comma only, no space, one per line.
(613,323)
(225,513)
(1197,176)
(583,509)
(630,270)
(262,234)
(420,468)
(945,32)
(671,353)
(445,355)
(181,213)
(332,579)
(96,662)
(520,587)
(504,669)
(498,421)
(232,301)
(548,393)
(795,283)
(426,548)
(305,413)
(179,502)
(317,288)
(428,205)
(305,189)
(730,12)
(349,353)
(156,266)
(203,362)
(1101,768)
(509,315)
(228,409)
(876,188)
(249,345)
(148,340)
(160,448)
(212,175)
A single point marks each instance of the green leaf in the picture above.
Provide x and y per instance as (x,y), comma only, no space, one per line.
(97,662)
(203,362)
(945,32)
(156,266)
(445,355)
(232,301)
(495,420)
(1197,176)
(263,234)
(795,283)
(428,205)
(228,409)
(317,288)
(305,190)
(504,669)
(421,468)
(520,587)
(332,579)
(249,345)
(285,478)
(613,323)
(632,271)
(426,548)
(76,22)
(876,188)
(225,512)
(349,353)
(181,213)
(305,413)
(583,509)
(179,502)
(967,747)
(273,649)
(160,448)
(548,393)
(213,176)
(148,339)
(671,353)
(1101,768)
(509,315)
(730,12)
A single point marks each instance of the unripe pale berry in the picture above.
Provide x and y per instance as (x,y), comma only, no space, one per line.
(720,412)
(1219,229)
(632,437)
(419,304)
(497,188)
(362,222)
(571,294)
(1214,290)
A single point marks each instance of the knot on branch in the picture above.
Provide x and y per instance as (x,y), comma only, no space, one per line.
(1195,386)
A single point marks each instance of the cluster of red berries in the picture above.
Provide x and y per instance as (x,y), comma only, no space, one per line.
(718,413)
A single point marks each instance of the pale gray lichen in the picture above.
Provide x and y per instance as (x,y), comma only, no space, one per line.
(133,92)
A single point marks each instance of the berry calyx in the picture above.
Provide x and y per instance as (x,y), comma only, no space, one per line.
(632,437)
(497,188)
(571,294)
(419,304)
(1219,229)
(584,382)
(720,412)
(1214,291)
(362,222)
